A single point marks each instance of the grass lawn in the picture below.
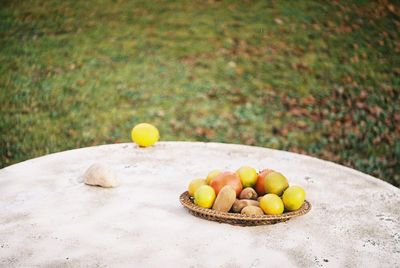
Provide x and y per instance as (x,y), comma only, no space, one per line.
(315,77)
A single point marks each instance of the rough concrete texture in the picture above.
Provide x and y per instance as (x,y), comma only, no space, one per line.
(48,217)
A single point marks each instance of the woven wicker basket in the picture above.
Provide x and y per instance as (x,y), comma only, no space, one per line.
(237,218)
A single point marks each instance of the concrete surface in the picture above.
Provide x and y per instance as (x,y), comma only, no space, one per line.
(48,217)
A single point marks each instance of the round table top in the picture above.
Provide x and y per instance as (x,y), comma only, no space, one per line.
(48,217)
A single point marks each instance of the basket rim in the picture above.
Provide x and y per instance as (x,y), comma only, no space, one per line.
(187,202)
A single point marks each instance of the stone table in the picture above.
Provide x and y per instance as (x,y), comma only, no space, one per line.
(48,217)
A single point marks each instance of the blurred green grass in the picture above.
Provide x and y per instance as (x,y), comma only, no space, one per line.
(313,77)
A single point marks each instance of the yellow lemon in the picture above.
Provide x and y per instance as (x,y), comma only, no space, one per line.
(248,176)
(293,198)
(271,204)
(194,184)
(275,183)
(212,175)
(145,134)
(204,196)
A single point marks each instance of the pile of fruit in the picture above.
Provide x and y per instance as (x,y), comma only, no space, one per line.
(246,191)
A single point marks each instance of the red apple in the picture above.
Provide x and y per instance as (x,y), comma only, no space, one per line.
(260,189)
(227,178)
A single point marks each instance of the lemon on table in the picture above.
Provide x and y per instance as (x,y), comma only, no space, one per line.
(275,183)
(271,204)
(194,184)
(248,176)
(145,134)
(204,196)
(293,198)
(212,175)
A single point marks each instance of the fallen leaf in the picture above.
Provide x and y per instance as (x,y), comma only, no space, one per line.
(278,21)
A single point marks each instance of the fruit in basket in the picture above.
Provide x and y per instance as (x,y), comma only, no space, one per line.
(240,204)
(227,178)
(248,193)
(293,198)
(247,175)
(271,204)
(204,196)
(145,134)
(252,210)
(194,184)
(212,175)
(275,183)
(225,199)
(260,188)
